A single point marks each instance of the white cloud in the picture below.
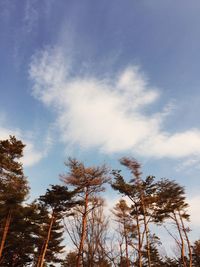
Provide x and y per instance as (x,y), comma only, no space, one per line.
(107,114)
(194,210)
(189,163)
(31,154)
(177,145)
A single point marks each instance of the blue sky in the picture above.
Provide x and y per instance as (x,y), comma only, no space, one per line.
(102,79)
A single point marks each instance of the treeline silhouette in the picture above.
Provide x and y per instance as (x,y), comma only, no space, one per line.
(33,234)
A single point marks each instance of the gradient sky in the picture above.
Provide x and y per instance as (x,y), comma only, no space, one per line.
(99,80)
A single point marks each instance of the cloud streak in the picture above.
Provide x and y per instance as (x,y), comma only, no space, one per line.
(107,114)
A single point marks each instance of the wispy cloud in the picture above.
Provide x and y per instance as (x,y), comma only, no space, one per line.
(31,15)
(188,164)
(107,114)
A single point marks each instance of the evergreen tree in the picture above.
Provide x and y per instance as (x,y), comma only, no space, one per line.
(196,253)
(70,260)
(87,181)
(20,242)
(169,262)
(13,188)
(126,229)
(142,194)
(156,260)
(171,204)
(54,205)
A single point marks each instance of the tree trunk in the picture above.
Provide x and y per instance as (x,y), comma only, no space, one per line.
(45,246)
(83,232)
(139,238)
(121,253)
(127,256)
(182,240)
(5,232)
(126,245)
(187,239)
(147,234)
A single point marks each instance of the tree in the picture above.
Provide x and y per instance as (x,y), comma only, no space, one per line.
(126,229)
(94,249)
(156,259)
(196,253)
(96,234)
(70,260)
(142,194)
(171,204)
(13,184)
(19,248)
(59,200)
(87,181)
(169,262)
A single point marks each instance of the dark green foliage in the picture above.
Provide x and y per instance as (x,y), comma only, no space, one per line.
(58,199)
(13,184)
(70,260)
(17,249)
(170,262)
(55,247)
(40,222)
(171,197)
(196,253)
(56,202)
(10,151)
(156,260)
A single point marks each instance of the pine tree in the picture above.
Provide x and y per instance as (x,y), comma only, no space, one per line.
(169,262)
(20,242)
(171,204)
(142,194)
(156,259)
(196,253)
(87,181)
(54,205)
(127,229)
(70,260)
(13,186)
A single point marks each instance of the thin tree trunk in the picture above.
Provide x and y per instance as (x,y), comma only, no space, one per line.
(83,232)
(138,182)
(44,250)
(126,245)
(5,232)
(187,239)
(127,256)
(146,233)
(121,253)
(139,238)
(182,240)
(91,242)
(40,256)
